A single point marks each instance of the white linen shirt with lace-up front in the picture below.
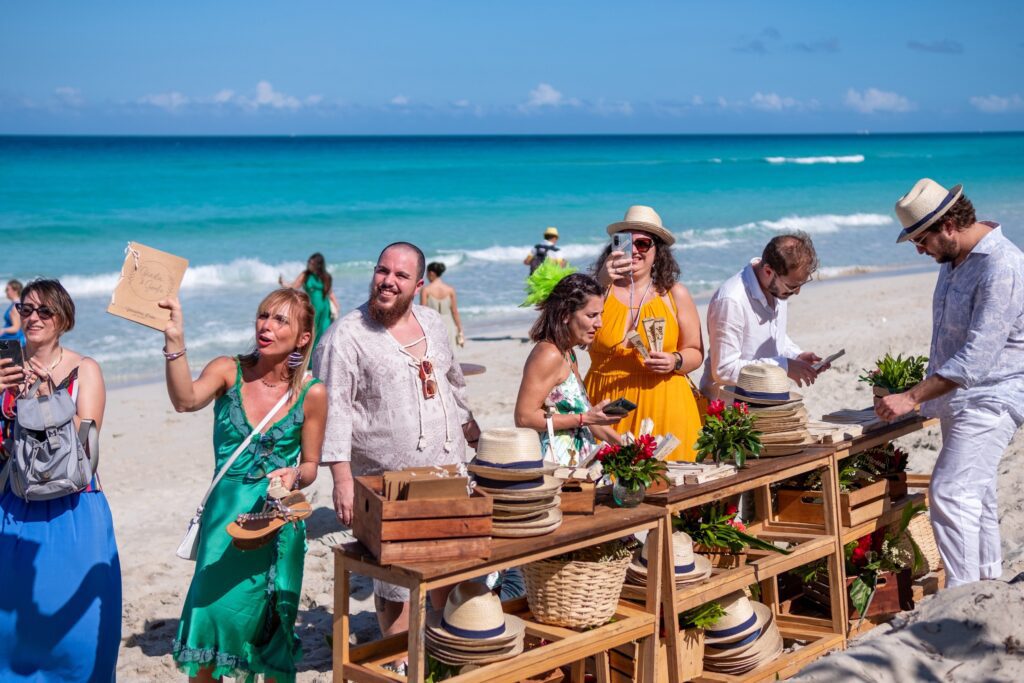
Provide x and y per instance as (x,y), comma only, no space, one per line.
(377,416)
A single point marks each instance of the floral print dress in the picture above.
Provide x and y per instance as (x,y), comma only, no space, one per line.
(568,447)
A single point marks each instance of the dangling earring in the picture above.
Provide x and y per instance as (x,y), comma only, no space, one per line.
(295,359)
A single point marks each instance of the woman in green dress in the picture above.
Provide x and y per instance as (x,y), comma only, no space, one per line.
(316,282)
(239,616)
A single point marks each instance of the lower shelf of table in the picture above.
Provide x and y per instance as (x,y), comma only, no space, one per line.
(814,644)
(565,646)
(893,515)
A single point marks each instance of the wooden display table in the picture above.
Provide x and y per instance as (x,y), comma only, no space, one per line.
(566,646)
(808,544)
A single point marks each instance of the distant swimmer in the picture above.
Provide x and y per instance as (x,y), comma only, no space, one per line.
(544,250)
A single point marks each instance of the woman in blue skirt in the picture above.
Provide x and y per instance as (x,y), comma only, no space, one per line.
(60,579)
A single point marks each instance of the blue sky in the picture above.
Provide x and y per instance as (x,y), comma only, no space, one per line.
(313,67)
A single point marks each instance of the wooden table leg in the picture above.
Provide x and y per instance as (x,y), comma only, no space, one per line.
(647,649)
(578,671)
(417,621)
(673,650)
(837,560)
(602,668)
(340,647)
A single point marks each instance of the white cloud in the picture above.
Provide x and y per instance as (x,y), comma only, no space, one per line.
(68,96)
(171,101)
(874,100)
(772,102)
(544,95)
(266,96)
(994,104)
(461,104)
(400,100)
(224,96)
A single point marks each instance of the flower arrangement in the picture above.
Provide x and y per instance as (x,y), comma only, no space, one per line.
(896,375)
(715,526)
(729,432)
(880,551)
(632,464)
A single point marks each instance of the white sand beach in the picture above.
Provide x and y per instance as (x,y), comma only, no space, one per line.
(156,464)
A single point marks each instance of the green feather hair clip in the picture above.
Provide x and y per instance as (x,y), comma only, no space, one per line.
(543,280)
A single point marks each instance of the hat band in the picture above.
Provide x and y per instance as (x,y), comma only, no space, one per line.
(504,484)
(760,394)
(726,632)
(927,217)
(472,633)
(679,568)
(739,643)
(521,465)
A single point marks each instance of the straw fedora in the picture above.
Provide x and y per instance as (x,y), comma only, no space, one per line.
(742,619)
(643,218)
(534,488)
(760,383)
(686,563)
(551,231)
(540,520)
(473,616)
(923,206)
(509,453)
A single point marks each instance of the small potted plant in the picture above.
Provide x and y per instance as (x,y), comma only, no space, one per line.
(718,535)
(692,623)
(632,468)
(894,375)
(728,432)
(890,463)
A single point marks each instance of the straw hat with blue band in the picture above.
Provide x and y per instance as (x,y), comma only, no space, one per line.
(510,454)
(762,384)
(687,566)
(742,619)
(472,620)
(923,206)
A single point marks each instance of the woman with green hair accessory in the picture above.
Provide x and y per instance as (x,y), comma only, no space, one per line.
(552,399)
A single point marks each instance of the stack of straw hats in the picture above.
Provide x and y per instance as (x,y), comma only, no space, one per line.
(746,637)
(510,468)
(473,629)
(689,567)
(781,416)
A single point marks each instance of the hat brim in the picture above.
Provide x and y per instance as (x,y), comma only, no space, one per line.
(514,629)
(509,474)
(763,615)
(545,490)
(701,565)
(794,396)
(544,518)
(520,532)
(622,226)
(956,193)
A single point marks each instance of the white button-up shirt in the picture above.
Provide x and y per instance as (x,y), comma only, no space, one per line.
(743,329)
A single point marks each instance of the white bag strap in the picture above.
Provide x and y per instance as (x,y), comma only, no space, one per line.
(241,448)
(549,418)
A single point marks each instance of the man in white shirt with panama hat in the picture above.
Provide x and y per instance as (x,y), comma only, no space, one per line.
(975,381)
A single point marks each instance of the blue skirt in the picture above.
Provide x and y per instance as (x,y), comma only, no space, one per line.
(60,589)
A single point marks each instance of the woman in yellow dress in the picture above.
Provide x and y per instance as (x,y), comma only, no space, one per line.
(645,285)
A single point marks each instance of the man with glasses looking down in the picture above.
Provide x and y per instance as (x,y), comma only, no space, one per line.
(747,316)
(396,398)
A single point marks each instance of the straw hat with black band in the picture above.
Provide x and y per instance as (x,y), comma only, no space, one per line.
(645,219)
(762,384)
(922,207)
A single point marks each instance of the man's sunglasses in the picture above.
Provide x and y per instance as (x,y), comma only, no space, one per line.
(26,311)
(427,379)
(642,245)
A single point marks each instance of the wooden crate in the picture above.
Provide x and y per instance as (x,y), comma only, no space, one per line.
(897,485)
(894,592)
(721,558)
(420,530)
(855,507)
(578,497)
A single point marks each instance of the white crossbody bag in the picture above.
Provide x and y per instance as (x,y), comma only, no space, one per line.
(190,544)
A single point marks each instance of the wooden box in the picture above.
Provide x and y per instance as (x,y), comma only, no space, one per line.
(897,485)
(577,497)
(721,558)
(894,592)
(420,530)
(855,507)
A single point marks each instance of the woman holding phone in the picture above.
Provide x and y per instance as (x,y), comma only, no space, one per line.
(644,285)
(570,317)
(60,594)
(239,616)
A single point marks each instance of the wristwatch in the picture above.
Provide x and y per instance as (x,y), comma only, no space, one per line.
(679,361)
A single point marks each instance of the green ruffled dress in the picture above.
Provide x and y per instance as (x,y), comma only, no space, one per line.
(239,616)
(314,287)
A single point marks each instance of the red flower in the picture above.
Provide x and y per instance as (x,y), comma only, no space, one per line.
(737,524)
(859,555)
(716,408)
(731,509)
(741,406)
(646,443)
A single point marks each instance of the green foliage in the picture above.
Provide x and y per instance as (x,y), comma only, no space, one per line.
(704,616)
(439,671)
(896,374)
(540,283)
(715,526)
(811,571)
(633,464)
(728,433)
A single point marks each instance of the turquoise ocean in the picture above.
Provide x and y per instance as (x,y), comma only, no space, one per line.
(244,210)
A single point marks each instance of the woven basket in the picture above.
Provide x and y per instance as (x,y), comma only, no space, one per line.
(574,594)
(920,529)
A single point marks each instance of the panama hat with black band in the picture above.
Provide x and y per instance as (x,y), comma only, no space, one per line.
(922,207)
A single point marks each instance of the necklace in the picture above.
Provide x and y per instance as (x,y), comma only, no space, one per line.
(268,384)
(60,357)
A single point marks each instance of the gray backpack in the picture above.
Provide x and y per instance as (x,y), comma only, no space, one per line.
(48,457)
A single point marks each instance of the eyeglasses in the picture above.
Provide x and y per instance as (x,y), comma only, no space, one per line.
(788,288)
(26,311)
(642,245)
(922,238)
(427,379)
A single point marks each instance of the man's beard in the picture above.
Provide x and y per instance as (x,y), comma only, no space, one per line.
(389,316)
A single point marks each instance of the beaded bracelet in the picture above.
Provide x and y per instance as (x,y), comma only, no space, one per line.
(174,355)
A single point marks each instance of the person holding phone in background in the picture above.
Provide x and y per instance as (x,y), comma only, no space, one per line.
(11,329)
(643,283)
(570,316)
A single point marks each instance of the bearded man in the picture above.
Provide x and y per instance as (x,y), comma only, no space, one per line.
(396,397)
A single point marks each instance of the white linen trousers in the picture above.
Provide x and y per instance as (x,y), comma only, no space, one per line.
(962,495)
